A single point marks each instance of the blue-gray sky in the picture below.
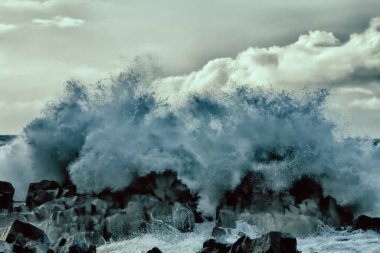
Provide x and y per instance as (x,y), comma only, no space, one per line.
(45,43)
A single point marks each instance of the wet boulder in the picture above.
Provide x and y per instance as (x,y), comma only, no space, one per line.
(213,246)
(306,188)
(7,192)
(217,232)
(273,242)
(126,222)
(183,218)
(165,187)
(72,244)
(154,250)
(226,218)
(333,214)
(8,219)
(366,223)
(24,237)
(42,192)
(298,210)
(69,191)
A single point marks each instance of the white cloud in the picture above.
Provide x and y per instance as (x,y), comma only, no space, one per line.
(355,90)
(23,4)
(6,27)
(315,60)
(59,21)
(33,57)
(372,103)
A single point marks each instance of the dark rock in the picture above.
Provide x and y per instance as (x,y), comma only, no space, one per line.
(226,218)
(24,237)
(21,232)
(306,188)
(253,202)
(183,218)
(73,244)
(8,219)
(154,250)
(212,246)
(7,192)
(243,196)
(58,244)
(94,238)
(69,191)
(366,223)
(163,186)
(126,222)
(334,214)
(273,242)
(21,209)
(217,231)
(42,192)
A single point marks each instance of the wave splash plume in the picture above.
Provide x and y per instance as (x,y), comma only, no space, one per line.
(102,136)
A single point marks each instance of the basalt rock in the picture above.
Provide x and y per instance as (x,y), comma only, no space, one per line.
(183,218)
(24,237)
(154,250)
(163,186)
(42,192)
(72,244)
(217,232)
(299,210)
(213,246)
(7,192)
(305,188)
(226,218)
(366,223)
(333,214)
(126,222)
(273,242)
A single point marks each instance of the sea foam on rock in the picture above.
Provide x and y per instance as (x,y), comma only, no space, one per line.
(153,202)
(72,244)
(42,192)
(24,237)
(159,202)
(301,210)
(183,218)
(273,242)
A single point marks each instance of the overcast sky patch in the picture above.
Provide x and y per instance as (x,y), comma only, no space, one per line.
(6,27)
(59,21)
(270,39)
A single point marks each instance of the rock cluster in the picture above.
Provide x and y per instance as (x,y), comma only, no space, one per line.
(300,210)
(72,222)
(364,222)
(156,201)
(22,237)
(273,242)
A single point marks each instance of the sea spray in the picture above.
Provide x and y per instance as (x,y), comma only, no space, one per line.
(102,136)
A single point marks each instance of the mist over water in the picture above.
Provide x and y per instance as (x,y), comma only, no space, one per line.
(103,135)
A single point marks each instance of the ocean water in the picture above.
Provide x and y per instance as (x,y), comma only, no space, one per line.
(328,241)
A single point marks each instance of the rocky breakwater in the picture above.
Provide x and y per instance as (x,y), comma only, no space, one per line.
(83,221)
(300,210)
(56,218)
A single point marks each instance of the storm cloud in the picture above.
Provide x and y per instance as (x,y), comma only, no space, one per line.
(45,43)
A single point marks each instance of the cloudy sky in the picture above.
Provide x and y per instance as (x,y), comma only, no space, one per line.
(200,43)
